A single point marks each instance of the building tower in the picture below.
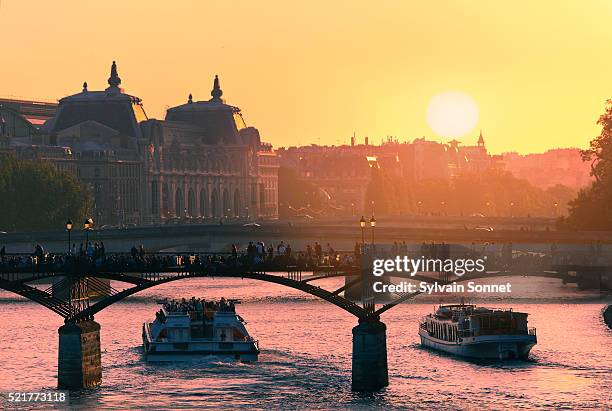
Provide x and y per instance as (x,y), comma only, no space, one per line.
(481,142)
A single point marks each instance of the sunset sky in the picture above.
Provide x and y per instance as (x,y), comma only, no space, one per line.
(317,71)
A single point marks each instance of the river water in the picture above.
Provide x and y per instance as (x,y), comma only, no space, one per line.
(306,355)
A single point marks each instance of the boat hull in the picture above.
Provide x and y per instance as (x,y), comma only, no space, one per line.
(197,349)
(194,356)
(498,347)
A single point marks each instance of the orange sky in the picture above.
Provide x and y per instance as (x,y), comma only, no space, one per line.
(314,72)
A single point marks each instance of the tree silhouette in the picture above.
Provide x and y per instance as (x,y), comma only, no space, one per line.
(590,210)
(35,196)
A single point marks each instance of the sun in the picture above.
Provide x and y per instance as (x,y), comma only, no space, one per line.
(452,114)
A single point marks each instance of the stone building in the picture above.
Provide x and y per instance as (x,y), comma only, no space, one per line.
(201,162)
(343,173)
(204,162)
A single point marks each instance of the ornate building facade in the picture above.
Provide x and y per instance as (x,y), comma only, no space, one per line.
(201,162)
(204,162)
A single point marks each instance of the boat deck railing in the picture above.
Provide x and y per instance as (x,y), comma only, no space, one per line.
(500,331)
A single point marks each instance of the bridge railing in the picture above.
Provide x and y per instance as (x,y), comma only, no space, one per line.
(162,262)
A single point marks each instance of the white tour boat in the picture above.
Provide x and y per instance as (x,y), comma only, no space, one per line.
(478,332)
(191,329)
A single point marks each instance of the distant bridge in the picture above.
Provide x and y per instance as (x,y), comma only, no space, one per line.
(216,237)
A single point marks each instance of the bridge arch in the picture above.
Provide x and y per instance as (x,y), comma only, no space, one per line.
(144,282)
(319,292)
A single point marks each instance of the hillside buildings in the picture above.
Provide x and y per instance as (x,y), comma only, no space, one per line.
(343,172)
(557,166)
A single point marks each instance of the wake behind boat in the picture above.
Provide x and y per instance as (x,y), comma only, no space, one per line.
(478,332)
(191,329)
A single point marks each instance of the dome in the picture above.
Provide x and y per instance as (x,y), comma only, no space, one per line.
(219,122)
(111,107)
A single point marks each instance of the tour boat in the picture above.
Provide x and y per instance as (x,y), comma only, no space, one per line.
(192,329)
(477,332)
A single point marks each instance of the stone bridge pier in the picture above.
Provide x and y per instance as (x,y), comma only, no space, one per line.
(370,371)
(79,361)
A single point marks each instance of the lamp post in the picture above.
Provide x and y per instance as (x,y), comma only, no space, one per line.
(372,224)
(69,229)
(362,224)
(556,208)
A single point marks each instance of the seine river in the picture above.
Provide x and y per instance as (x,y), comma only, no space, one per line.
(306,355)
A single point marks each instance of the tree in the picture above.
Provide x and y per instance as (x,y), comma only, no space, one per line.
(590,210)
(35,196)
(390,194)
(295,194)
(599,152)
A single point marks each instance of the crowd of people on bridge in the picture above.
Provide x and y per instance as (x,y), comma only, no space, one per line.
(259,256)
(255,255)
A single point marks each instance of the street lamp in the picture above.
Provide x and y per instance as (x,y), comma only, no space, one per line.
(69,229)
(362,224)
(556,205)
(372,224)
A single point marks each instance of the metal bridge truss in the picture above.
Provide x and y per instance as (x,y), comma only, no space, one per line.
(77,296)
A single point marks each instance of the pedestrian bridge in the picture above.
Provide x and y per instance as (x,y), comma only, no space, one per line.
(76,279)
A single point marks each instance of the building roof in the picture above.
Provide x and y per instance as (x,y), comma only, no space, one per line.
(111,107)
(35,112)
(219,122)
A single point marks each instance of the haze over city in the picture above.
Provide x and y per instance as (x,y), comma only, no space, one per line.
(317,72)
(255,204)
